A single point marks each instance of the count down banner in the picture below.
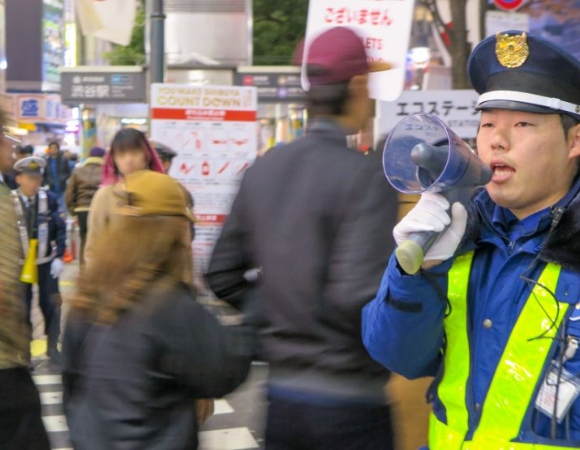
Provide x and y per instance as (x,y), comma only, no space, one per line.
(213,130)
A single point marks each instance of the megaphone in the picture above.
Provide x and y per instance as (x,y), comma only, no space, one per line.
(29,272)
(423,155)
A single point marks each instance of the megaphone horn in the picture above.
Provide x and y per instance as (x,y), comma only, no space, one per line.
(423,155)
(430,161)
(29,272)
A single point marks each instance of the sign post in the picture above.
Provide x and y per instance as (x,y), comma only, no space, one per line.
(46,108)
(100,85)
(509,5)
(385,27)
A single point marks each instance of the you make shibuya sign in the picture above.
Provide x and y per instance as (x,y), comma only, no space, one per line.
(384,26)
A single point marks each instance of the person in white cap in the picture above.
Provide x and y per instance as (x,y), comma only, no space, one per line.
(39,221)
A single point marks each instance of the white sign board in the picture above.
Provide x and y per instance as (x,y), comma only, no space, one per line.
(213,129)
(501,21)
(385,27)
(455,107)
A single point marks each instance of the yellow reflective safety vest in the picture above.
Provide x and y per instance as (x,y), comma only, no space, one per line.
(517,374)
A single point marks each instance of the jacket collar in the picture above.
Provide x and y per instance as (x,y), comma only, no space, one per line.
(327,127)
(562,245)
(94,160)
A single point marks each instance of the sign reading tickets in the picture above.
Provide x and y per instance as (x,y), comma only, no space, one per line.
(213,130)
(385,27)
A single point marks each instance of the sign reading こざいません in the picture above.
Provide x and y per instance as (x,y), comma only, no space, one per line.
(384,26)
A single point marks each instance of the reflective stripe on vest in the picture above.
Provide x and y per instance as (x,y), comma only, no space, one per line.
(516,376)
(43,229)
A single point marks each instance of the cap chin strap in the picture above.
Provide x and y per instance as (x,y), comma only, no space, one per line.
(532,99)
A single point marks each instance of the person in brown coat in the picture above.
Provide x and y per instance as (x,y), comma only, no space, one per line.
(21,425)
(81,188)
(130,152)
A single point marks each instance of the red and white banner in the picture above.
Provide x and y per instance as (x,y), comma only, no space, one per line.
(384,25)
(213,130)
(111,20)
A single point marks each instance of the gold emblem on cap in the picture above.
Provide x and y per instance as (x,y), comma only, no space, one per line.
(511,51)
(33,165)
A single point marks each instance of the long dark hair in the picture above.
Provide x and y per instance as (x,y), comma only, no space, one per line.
(133,256)
(129,138)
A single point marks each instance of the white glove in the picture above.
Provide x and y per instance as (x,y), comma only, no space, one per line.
(56,267)
(430,214)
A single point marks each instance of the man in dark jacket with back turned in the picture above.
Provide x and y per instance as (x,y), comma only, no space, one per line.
(311,216)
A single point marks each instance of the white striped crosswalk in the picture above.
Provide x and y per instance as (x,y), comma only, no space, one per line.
(50,387)
(227,439)
(222,407)
(55,424)
(42,380)
(51,398)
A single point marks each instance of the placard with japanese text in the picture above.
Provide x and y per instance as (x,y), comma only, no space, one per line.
(455,107)
(213,130)
(384,26)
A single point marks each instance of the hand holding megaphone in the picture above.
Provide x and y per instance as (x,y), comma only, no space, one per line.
(428,232)
(423,156)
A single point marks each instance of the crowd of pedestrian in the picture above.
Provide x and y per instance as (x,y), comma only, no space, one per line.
(306,257)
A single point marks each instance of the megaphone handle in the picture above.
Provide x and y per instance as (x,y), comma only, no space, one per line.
(411,252)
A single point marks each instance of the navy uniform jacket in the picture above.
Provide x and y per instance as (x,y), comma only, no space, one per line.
(403,325)
(56,225)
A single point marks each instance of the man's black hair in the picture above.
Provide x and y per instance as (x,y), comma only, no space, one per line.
(326,99)
(568,122)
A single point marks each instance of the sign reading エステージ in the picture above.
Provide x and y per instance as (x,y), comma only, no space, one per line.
(385,27)
(456,108)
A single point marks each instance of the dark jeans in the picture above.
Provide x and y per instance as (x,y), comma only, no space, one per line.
(82,217)
(61,203)
(297,426)
(49,301)
(21,426)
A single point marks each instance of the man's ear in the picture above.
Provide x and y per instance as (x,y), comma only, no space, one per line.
(358,85)
(357,107)
(574,141)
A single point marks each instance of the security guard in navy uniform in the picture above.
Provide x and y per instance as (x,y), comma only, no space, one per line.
(43,236)
(494,314)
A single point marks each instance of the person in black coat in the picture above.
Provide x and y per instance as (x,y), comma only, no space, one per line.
(139,351)
(57,173)
(302,252)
